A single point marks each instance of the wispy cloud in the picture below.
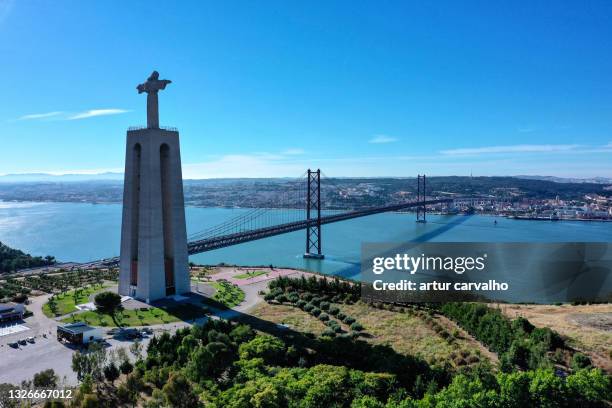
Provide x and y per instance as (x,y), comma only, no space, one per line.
(379,139)
(523,148)
(96,112)
(61,115)
(34,116)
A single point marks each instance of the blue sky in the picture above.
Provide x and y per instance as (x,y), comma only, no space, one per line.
(270,88)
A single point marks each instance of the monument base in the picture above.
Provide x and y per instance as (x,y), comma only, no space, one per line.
(154,259)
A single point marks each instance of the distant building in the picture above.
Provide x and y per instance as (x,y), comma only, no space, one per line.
(11,311)
(79,333)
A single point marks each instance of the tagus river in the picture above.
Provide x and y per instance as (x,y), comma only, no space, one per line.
(83,232)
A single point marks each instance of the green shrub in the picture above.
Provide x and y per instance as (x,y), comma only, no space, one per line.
(300,303)
(349,320)
(323,317)
(328,333)
(356,326)
(324,305)
(579,361)
(308,307)
(333,310)
(315,312)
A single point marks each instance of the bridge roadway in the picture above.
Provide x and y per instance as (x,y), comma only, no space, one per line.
(209,244)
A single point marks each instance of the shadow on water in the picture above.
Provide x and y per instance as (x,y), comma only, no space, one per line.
(453,222)
(354,269)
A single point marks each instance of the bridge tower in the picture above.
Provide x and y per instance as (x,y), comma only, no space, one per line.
(153,261)
(421,197)
(313,203)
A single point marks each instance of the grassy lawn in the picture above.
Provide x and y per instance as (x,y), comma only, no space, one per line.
(227,293)
(66,302)
(138,317)
(249,275)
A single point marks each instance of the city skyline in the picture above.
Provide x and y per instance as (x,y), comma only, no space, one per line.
(272,89)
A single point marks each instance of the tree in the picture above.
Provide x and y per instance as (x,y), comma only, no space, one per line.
(111,372)
(90,401)
(271,349)
(5,400)
(107,302)
(547,389)
(179,393)
(45,379)
(514,389)
(136,349)
(579,361)
(589,387)
(80,365)
(90,363)
(367,402)
(126,367)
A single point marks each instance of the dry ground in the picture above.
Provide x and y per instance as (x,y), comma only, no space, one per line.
(404,332)
(290,316)
(588,327)
(409,334)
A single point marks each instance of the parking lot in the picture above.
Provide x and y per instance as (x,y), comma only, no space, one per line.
(21,363)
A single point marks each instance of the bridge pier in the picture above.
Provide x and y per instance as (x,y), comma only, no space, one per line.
(421,197)
(313,202)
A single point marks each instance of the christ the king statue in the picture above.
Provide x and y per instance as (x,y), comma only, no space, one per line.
(151,87)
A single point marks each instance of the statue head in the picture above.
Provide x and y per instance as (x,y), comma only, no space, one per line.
(154,76)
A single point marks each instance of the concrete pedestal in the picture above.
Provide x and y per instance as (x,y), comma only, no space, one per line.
(154,261)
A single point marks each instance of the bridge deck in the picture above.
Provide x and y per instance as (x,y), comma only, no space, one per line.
(209,244)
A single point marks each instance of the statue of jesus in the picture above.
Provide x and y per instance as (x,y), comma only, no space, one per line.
(151,87)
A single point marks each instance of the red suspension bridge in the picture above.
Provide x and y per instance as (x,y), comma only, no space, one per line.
(300,209)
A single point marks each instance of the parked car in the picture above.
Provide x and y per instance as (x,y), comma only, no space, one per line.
(30,339)
(22,342)
(14,345)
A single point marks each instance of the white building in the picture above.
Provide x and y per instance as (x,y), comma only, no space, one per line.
(79,333)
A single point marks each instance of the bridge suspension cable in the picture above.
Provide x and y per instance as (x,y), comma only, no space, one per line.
(289,206)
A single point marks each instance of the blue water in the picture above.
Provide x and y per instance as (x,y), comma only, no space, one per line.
(83,232)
